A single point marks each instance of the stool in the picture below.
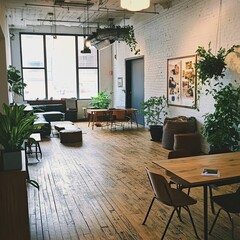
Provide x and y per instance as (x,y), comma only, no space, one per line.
(32,146)
(70,135)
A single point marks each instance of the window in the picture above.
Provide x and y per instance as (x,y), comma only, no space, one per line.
(61,67)
(87,71)
(55,67)
(33,66)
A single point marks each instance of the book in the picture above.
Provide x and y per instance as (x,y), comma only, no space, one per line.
(210,172)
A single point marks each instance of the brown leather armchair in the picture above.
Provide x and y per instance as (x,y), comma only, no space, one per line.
(181,133)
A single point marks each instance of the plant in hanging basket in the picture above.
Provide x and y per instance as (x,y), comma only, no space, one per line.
(211,66)
(117,33)
(131,40)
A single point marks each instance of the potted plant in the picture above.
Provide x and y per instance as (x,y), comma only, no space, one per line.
(221,128)
(102,100)
(154,110)
(15,80)
(15,127)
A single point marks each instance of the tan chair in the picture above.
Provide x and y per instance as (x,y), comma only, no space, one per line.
(179,153)
(119,118)
(170,197)
(230,203)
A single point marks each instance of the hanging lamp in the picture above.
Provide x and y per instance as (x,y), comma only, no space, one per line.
(135,5)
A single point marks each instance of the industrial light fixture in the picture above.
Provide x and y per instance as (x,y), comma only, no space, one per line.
(87,43)
(135,5)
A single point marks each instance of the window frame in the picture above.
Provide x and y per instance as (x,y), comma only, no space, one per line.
(45,61)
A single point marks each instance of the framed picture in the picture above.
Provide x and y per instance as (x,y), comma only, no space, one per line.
(120,82)
(181,81)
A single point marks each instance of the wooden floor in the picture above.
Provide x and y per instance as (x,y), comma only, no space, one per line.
(99,190)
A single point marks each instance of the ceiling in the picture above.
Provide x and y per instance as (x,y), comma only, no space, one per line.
(95,13)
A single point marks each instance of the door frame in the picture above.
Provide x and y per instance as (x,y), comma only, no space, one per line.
(128,77)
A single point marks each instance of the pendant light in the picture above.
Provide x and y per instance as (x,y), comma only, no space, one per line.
(135,5)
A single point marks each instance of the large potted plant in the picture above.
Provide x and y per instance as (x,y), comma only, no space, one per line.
(15,80)
(154,110)
(15,127)
(221,128)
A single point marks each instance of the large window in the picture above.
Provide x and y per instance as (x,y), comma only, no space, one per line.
(55,68)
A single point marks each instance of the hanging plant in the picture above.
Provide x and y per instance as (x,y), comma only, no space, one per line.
(131,40)
(211,66)
(116,33)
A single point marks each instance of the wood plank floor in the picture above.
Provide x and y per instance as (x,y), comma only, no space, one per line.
(99,190)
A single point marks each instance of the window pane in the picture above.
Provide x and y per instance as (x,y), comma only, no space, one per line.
(35,80)
(61,67)
(86,59)
(88,83)
(32,51)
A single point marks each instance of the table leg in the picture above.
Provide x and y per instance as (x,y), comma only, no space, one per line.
(89,118)
(94,118)
(205,211)
(135,116)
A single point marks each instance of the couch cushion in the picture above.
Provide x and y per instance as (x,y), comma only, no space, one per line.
(53,116)
(188,141)
(55,107)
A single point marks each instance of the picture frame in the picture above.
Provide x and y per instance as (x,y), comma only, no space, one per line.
(181,81)
(120,82)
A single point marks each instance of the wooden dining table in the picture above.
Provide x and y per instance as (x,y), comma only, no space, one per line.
(188,172)
(94,113)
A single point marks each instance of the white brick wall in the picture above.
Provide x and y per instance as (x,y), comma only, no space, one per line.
(177,32)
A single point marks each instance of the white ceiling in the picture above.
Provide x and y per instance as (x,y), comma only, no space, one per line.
(23,13)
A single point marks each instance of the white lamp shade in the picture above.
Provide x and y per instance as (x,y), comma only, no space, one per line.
(135,5)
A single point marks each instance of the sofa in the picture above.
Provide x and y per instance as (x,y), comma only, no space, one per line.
(47,113)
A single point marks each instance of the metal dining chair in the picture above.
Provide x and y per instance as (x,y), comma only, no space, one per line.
(171,197)
(230,203)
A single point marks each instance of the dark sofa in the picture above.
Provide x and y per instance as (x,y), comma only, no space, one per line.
(47,113)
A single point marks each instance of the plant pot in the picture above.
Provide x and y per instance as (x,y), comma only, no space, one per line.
(156,132)
(11,160)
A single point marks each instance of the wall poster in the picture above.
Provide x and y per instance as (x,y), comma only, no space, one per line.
(181,90)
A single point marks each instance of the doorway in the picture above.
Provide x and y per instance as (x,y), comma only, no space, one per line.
(135,85)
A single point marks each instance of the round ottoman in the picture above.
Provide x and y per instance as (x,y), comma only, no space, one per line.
(70,135)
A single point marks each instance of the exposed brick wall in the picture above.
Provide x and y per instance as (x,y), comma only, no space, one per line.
(177,32)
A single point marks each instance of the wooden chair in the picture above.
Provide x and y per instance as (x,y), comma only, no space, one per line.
(230,203)
(170,197)
(119,117)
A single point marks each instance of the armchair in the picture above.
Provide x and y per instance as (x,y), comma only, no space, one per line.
(181,133)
